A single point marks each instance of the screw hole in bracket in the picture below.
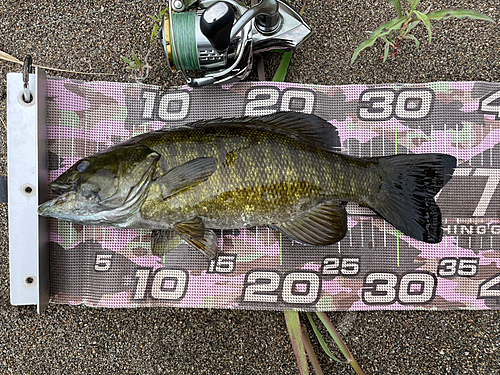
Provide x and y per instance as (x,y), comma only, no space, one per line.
(21,100)
(28,190)
(30,280)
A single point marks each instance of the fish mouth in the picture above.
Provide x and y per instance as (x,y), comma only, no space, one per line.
(61,187)
(49,208)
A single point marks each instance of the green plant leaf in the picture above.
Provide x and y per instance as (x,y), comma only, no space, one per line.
(153,33)
(397,5)
(137,61)
(295,331)
(423,17)
(414,5)
(414,38)
(386,51)
(383,30)
(412,25)
(321,340)
(128,61)
(388,41)
(460,13)
(387,27)
(280,74)
(154,18)
(301,12)
(340,343)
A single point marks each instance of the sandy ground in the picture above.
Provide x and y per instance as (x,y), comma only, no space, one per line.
(90,36)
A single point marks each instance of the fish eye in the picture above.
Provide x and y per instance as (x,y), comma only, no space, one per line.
(82,165)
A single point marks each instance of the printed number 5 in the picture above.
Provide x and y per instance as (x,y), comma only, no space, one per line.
(103,262)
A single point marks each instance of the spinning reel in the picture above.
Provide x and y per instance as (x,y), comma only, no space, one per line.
(221,37)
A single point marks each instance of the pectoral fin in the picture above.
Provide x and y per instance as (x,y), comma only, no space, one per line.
(324,225)
(186,175)
(162,241)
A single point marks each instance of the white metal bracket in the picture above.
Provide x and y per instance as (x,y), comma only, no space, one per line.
(28,187)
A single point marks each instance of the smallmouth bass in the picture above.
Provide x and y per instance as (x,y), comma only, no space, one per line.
(278,170)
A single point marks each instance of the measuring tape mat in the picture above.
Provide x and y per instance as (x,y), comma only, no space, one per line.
(373,267)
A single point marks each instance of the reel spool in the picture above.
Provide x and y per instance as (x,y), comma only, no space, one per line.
(221,37)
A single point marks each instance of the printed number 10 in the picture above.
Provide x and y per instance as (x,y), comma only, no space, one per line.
(176,279)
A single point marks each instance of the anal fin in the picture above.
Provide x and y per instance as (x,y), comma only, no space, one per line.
(323,225)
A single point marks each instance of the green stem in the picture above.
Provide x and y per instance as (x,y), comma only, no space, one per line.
(340,343)
(310,352)
(397,244)
(280,74)
(295,331)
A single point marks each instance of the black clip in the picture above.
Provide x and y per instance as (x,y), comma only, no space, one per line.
(27,69)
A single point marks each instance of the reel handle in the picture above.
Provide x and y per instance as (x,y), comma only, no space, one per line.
(217,21)
(216,24)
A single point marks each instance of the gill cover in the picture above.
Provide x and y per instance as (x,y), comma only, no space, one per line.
(103,188)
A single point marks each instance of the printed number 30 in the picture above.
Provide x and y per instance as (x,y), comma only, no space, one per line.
(383,288)
(406,104)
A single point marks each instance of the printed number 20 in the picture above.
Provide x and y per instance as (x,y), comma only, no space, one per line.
(264,287)
(264,101)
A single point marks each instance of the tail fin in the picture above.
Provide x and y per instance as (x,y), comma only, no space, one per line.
(406,196)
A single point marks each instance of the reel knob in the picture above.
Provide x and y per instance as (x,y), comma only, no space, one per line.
(216,24)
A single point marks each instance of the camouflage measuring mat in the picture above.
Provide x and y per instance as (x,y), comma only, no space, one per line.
(373,267)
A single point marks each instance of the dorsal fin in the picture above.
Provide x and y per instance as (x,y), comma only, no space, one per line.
(309,129)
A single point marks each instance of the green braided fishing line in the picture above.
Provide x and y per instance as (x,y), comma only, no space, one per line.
(183,25)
